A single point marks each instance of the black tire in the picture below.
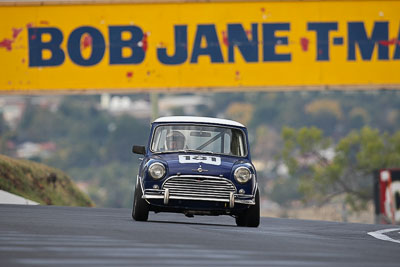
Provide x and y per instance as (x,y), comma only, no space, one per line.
(253,213)
(140,209)
(241,220)
(250,217)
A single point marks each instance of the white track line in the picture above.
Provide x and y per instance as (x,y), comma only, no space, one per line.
(380,235)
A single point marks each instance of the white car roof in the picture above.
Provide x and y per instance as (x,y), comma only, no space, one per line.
(199,119)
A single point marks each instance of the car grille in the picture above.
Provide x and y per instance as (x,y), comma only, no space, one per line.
(199,187)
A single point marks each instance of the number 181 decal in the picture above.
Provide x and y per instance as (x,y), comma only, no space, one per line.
(200,159)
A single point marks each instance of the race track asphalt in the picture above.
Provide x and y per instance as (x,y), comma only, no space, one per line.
(73,236)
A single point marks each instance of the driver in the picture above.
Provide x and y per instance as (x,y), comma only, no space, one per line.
(175,140)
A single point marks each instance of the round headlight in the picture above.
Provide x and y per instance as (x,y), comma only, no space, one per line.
(242,175)
(157,170)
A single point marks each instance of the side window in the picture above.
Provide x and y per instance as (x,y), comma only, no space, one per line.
(161,145)
(156,140)
(159,140)
(227,143)
(237,144)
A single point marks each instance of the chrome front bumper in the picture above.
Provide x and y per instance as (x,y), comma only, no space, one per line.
(166,195)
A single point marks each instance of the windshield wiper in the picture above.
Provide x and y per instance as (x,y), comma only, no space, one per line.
(196,150)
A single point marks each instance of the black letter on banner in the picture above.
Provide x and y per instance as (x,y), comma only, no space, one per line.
(270,41)
(357,34)
(237,37)
(181,53)
(212,49)
(116,45)
(36,47)
(74,46)
(322,29)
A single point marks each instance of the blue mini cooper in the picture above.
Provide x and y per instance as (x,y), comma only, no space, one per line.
(197,166)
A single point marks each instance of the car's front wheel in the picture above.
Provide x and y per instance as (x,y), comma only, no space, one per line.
(140,209)
(250,217)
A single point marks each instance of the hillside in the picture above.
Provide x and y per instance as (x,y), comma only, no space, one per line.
(93,143)
(40,183)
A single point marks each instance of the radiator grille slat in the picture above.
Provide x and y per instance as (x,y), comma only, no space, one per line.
(200,187)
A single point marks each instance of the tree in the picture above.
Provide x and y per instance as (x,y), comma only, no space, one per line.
(5,135)
(348,172)
(241,112)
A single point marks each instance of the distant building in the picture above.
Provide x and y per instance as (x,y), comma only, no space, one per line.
(29,150)
(12,109)
(119,105)
(168,105)
(189,104)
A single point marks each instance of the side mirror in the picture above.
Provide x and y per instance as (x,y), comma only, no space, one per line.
(139,150)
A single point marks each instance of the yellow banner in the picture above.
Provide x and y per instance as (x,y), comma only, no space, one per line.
(262,45)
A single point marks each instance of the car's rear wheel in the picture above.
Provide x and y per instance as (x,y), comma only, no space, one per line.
(250,217)
(140,209)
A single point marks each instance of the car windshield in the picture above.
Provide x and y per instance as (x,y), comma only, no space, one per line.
(199,138)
